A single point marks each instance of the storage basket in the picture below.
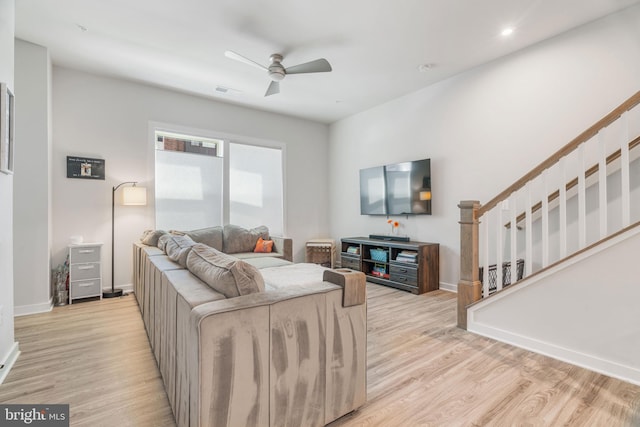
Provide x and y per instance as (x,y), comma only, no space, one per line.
(506,274)
(321,251)
(378,255)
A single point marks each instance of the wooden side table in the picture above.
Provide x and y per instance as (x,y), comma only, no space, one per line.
(321,251)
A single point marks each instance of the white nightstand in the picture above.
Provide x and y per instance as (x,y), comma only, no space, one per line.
(85,272)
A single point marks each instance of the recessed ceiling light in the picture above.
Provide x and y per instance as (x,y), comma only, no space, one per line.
(423,68)
(507,31)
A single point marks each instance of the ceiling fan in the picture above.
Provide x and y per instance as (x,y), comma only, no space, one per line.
(277,71)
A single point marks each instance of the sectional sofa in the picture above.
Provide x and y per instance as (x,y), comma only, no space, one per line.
(246,338)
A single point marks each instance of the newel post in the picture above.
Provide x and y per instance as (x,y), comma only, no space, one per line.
(469,286)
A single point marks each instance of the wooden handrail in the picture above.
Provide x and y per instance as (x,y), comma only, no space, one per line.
(553,159)
(574,182)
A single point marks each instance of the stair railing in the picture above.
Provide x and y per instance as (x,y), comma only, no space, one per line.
(543,217)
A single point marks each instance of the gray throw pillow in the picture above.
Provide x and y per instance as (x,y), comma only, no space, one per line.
(178,247)
(228,275)
(150,237)
(238,239)
(162,241)
(210,236)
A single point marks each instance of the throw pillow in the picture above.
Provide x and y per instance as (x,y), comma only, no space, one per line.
(265,246)
(178,248)
(162,242)
(150,237)
(210,236)
(238,239)
(228,275)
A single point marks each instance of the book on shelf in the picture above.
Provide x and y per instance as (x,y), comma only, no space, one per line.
(407,256)
(405,252)
(353,250)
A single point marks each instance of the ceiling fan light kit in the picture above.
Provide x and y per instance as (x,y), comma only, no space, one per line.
(276,71)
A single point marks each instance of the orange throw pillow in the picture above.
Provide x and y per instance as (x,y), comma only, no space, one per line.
(264,245)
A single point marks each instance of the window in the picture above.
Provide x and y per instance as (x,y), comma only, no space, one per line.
(196,187)
(189,177)
(255,187)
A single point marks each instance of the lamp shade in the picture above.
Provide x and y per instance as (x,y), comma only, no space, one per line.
(134,196)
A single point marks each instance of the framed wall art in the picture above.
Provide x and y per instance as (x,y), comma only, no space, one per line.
(7,120)
(85,168)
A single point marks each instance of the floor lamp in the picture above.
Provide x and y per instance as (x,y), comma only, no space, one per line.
(131,196)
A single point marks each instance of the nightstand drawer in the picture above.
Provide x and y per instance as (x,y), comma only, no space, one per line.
(85,288)
(89,270)
(82,254)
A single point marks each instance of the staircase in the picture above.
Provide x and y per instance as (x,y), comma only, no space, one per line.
(570,227)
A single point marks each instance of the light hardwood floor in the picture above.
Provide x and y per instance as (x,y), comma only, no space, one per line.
(95,356)
(422,371)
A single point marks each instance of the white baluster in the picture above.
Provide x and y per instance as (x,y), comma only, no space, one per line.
(514,235)
(563,207)
(602,184)
(545,220)
(528,254)
(582,200)
(484,230)
(499,246)
(624,168)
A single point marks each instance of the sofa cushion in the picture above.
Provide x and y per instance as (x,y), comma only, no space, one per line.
(293,275)
(178,247)
(210,236)
(228,275)
(239,239)
(150,237)
(264,261)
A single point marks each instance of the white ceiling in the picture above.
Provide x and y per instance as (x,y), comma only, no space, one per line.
(374,46)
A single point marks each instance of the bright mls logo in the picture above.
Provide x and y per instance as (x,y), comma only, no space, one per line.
(34,415)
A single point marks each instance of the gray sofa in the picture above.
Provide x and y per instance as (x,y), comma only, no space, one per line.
(288,350)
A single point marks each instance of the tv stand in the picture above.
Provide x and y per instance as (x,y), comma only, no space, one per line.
(392,263)
(389,237)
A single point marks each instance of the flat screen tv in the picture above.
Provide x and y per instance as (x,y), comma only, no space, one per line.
(396,189)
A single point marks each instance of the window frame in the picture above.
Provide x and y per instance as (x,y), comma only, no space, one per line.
(226,138)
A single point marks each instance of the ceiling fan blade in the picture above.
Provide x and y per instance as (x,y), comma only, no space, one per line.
(236,56)
(318,66)
(274,87)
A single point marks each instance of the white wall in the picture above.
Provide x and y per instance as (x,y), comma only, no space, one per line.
(108,118)
(485,128)
(8,347)
(32,204)
(586,316)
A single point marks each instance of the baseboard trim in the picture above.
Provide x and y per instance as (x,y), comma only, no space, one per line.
(25,310)
(11,360)
(602,366)
(449,287)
